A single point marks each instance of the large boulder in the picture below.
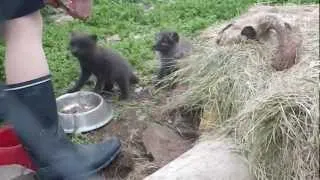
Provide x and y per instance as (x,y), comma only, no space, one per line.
(163,144)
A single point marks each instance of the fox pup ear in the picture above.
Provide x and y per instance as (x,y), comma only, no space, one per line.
(175,36)
(94,37)
(249,32)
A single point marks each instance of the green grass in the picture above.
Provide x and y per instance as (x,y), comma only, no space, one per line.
(135,27)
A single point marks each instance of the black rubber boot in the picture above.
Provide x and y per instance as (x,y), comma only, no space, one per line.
(31,109)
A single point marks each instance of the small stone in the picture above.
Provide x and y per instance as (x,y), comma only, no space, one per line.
(63,18)
(138,90)
(137,37)
(146,7)
(141,118)
(113,38)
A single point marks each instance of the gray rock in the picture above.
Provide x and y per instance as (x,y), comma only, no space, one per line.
(163,144)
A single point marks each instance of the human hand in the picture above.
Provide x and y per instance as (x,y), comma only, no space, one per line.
(80,9)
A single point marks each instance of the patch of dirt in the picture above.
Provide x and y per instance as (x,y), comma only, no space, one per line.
(142,115)
(121,167)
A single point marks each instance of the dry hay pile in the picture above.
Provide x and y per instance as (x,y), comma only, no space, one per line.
(272,115)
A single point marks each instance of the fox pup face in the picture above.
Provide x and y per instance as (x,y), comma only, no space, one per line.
(82,44)
(165,41)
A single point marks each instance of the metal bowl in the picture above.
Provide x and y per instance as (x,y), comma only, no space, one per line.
(83,111)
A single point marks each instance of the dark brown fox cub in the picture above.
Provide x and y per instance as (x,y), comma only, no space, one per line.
(107,65)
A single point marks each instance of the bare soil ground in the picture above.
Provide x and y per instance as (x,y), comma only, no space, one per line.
(150,139)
